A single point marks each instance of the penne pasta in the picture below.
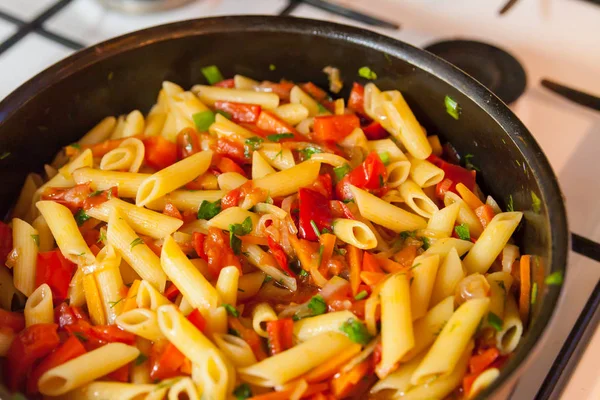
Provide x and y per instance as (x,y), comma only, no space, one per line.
(262,314)
(417,200)
(424,270)
(449,274)
(141,322)
(26,250)
(210,94)
(355,233)
(286,182)
(99,133)
(127,183)
(308,328)
(39,308)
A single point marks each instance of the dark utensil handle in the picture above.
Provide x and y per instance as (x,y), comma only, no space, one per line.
(351,14)
(576,96)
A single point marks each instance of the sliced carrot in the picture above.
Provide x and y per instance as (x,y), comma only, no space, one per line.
(303,249)
(390,265)
(343,384)
(285,394)
(468,196)
(485,214)
(524,297)
(333,365)
(327,240)
(370,263)
(406,256)
(480,362)
(130,301)
(372,278)
(355,256)
(186,367)
(261,241)
(467,383)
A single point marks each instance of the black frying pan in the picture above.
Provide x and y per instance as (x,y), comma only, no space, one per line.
(59,105)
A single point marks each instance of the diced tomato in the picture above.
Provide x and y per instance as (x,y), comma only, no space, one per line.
(485,213)
(171,292)
(28,346)
(334,128)
(172,211)
(480,362)
(240,112)
(6,243)
(188,143)
(150,242)
(198,241)
(12,320)
(67,351)
(377,353)
(98,335)
(215,249)
(160,153)
(314,91)
(67,315)
(370,175)
(269,122)
(281,335)
(375,131)
(120,374)
(339,209)
(356,101)
(453,175)
(94,199)
(314,207)
(226,83)
(56,271)
(231,199)
(196,318)
(281,89)
(165,360)
(280,256)
(226,164)
(233,150)
(74,198)
(323,185)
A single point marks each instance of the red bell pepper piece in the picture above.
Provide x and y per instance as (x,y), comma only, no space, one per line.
(233,150)
(281,89)
(371,174)
(281,335)
(280,256)
(196,318)
(225,164)
(240,112)
(160,153)
(375,131)
(270,123)
(480,362)
(56,271)
(314,207)
(339,209)
(188,143)
(67,315)
(12,320)
(226,83)
(314,91)
(98,335)
(120,374)
(74,198)
(453,175)
(6,243)
(323,184)
(172,211)
(171,292)
(334,128)
(67,351)
(31,344)
(356,101)
(165,360)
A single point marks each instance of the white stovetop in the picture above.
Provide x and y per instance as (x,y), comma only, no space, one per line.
(557,39)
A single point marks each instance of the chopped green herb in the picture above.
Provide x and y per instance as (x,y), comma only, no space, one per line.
(141,359)
(534,292)
(277,137)
(321,249)
(452,107)
(510,206)
(112,304)
(536,203)
(341,172)
(439,329)
(81,217)
(356,331)
(243,391)
(278,155)
(223,113)
(381,181)
(385,157)
(4,155)
(555,278)
(307,152)
(361,295)
(208,210)
(501,284)
(462,231)
(341,252)
(495,321)
(315,228)
(468,163)
(272,67)
(426,243)
(212,74)
(18,396)
(346,201)
(203,120)
(75,146)
(102,237)
(317,305)
(36,240)
(303,273)
(367,73)
(96,193)
(268,278)
(231,310)
(414,266)
(406,234)
(135,242)
(236,230)
(322,109)
(80,336)
(252,144)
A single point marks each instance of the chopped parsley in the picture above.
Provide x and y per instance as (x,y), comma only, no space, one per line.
(406,234)
(321,249)
(212,74)
(96,193)
(81,217)
(468,163)
(278,155)
(361,295)
(102,237)
(426,243)
(243,391)
(231,310)
(367,73)
(501,284)
(236,230)
(233,332)
(317,305)
(385,157)
(452,107)
(268,278)
(141,359)
(223,113)
(112,304)
(75,146)
(277,137)
(303,273)
(322,108)
(36,240)
(135,242)
(555,278)
(356,331)
(462,231)
(4,155)
(534,292)
(272,67)
(203,120)
(510,206)
(252,144)
(536,203)
(341,172)
(495,321)
(208,210)
(315,228)
(307,152)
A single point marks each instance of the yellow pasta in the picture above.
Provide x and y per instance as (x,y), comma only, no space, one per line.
(417,200)
(449,274)
(45,238)
(309,328)
(231,180)
(235,349)
(443,220)
(210,94)
(292,113)
(186,199)
(262,314)
(424,173)
(355,233)
(298,96)
(110,283)
(99,133)
(148,297)
(93,300)
(260,166)
(25,247)
(38,308)
(424,271)
(286,182)
(127,183)
(509,336)
(465,214)
(141,322)
(227,285)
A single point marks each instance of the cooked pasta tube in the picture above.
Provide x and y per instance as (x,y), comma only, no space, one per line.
(186,199)
(141,220)
(500,283)
(424,271)
(330,159)
(260,166)
(288,181)
(210,94)
(385,214)
(485,379)
(141,322)
(99,133)
(127,183)
(512,328)
(183,388)
(443,220)
(465,214)
(292,113)
(417,200)
(424,173)
(128,156)
(231,180)
(452,341)
(399,380)
(491,242)
(355,233)
(267,264)
(235,349)
(249,284)
(174,176)
(65,231)
(443,247)
(26,251)
(298,359)
(388,147)
(298,96)
(93,300)
(398,172)
(233,215)
(243,82)
(192,284)
(224,128)
(110,283)
(449,274)
(227,285)
(86,368)
(46,240)
(148,297)
(38,308)
(101,390)
(307,328)
(83,160)
(262,314)
(76,293)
